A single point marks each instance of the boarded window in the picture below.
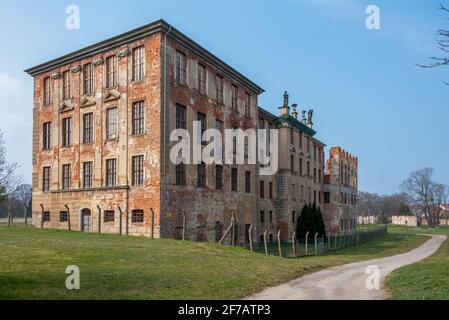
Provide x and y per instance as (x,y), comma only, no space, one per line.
(137,216)
(111,172)
(270,191)
(46,135)
(262,189)
(87,174)
(137,170)
(138,115)
(66,176)
(138,64)
(88,127)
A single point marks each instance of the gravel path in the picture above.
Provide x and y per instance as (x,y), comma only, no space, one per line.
(349,282)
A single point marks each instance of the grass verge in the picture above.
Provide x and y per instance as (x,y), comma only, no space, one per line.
(112,267)
(425,280)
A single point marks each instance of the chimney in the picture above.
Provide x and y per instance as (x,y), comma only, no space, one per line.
(310,119)
(285,109)
(295,113)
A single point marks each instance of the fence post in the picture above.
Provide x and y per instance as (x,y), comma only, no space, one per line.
(341,240)
(329,238)
(307,243)
(68,218)
(152,223)
(99,219)
(42,215)
(184,225)
(120,225)
(294,244)
(336,242)
(233,230)
(316,243)
(250,233)
(265,242)
(279,243)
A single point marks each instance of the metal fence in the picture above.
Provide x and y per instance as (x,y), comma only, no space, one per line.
(316,246)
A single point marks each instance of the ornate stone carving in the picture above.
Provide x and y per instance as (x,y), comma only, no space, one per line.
(76,69)
(122,54)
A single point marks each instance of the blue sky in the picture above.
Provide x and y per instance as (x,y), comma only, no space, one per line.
(367,93)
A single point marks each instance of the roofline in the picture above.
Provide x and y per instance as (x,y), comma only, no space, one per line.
(267,114)
(319,142)
(139,33)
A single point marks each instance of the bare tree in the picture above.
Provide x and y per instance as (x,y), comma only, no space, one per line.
(443,45)
(420,189)
(440,196)
(23,195)
(9,181)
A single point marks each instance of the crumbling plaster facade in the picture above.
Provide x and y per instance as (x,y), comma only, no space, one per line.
(207,211)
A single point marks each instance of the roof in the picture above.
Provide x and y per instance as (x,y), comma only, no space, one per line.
(267,114)
(295,123)
(139,33)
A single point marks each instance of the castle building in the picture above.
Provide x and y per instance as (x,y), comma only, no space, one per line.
(103,119)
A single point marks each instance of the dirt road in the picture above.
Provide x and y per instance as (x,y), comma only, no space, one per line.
(349,282)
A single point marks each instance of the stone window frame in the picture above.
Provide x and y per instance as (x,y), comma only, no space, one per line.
(180,174)
(66,176)
(138,126)
(201,175)
(47,85)
(46,135)
(63,216)
(138,64)
(108,216)
(219,89)
(180,68)
(180,123)
(46,216)
(111,125)
(201,79)
(66,132)
(248,102)
(218,177)
(88,76)
(248,184)
(112,77)
(234,97)
(88,131)
(111,172)
(234,179)
(66,85)
(137,216)
(138,176)
(46,178)
(89,175)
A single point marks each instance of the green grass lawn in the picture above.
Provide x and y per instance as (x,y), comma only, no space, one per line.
(33,264)
(428,279)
